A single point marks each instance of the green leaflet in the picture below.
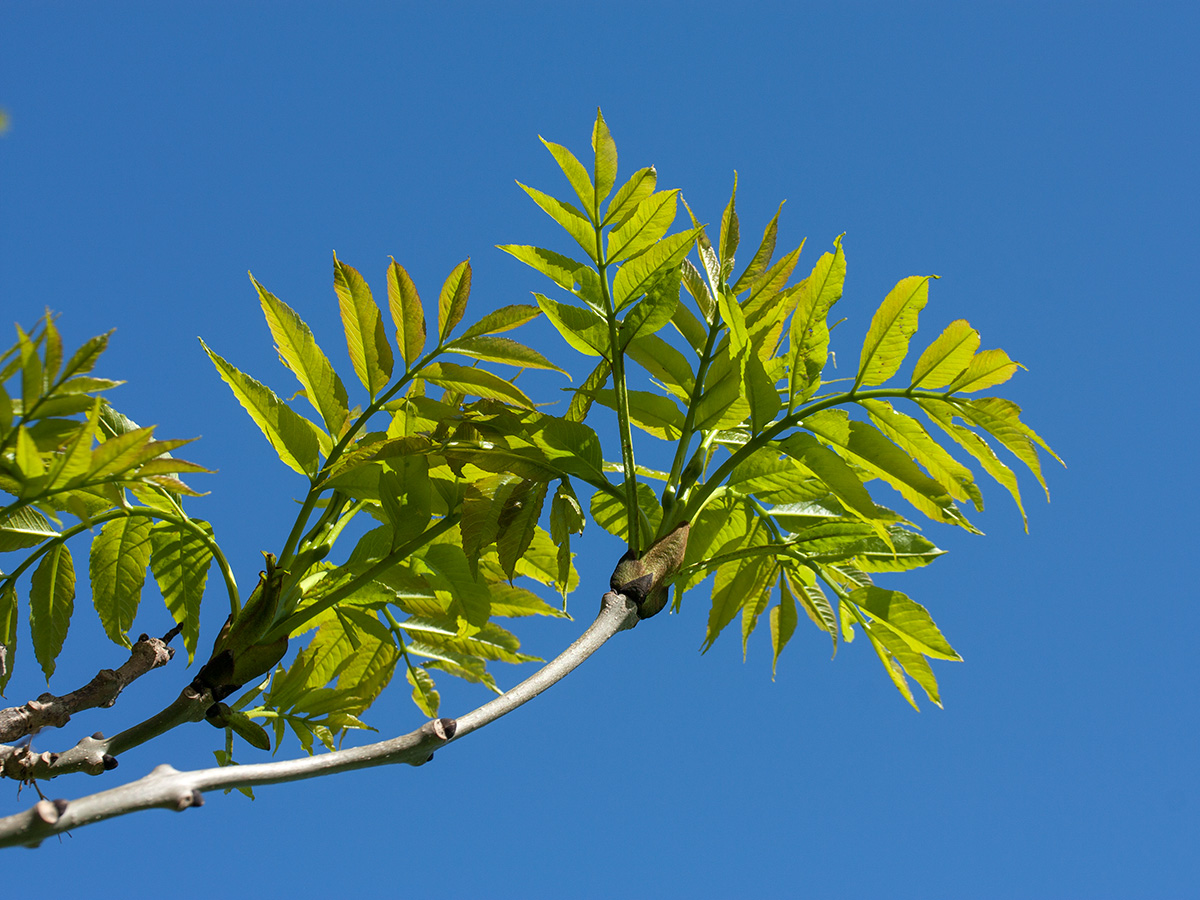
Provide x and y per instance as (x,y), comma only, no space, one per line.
(424,693)
(942,414)
(644,227)
(1001,419)
(503,319)
(637,275)
(727,243)
(986,369)
(859,544)
(298,350)
(909,660)
(576,174)
(581,400)
(911,436)
(475,382)
(891,327)
(739,583)
(292,436)
(51,603)
(452,300)
(803,585)
(119,557)
(640,185)
(783,620)
(605,169)
(582,327)
(764,288)
(179,560)
(610,514)
(562,270)
(25,527)
(826,465)
(517,524)
(370,352)
(947,356)
(664,363)
(407,313)
(762,256)
(864,445)
(654,311)
(907,618)
(723,403)
(566,518)
(809,331)
(502,350)
(574,222)
(8,634)
(653,413)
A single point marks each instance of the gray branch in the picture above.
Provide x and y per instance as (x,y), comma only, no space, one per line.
(168,788)
(50,711)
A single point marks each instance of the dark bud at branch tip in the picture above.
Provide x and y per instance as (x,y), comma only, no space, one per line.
(61,805)
(143,637)
(109,762)
(98,736)
(197,798)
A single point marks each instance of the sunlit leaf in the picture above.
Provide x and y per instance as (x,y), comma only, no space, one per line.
(8,634)
(501,350)
(370,352)
(809,329)
(637,275)
(891,327)
(179,560)
(907,618)
(503,319)
(783,621)
(576,174)
(762,256)
(986,369)
(640,185)
(120,554)
(582,327)
(424,693)
(645,226)
(51,603)
(947,356)
(299,352)
(407,313)
(452,300)
(22,528)
(475,382)
(605,168)
(289,433)
(574,222)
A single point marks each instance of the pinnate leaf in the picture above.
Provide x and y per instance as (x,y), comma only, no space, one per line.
(51,603)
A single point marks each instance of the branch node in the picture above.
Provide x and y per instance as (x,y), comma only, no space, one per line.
(61,805)
(445,728)
(46,811)
(183,801)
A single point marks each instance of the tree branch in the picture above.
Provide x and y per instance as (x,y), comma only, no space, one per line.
(50,711)
(168,788)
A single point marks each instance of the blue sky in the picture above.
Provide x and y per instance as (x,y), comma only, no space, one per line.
(1040,158)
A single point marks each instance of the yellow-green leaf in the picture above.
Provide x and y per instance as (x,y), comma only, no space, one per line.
(51,603)
(120,554)
(292,436)
(299,352)
(452,301)
(370,352)
(947,356)
(407,313)
(991,367)
(891,328)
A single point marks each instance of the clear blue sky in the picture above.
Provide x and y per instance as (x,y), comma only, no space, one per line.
(1041,158)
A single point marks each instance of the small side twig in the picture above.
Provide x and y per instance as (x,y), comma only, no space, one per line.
(102,691)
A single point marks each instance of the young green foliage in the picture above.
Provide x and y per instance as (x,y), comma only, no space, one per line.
(771,462)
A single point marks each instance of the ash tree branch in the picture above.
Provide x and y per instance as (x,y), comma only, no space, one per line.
(168,788)
(50,711)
